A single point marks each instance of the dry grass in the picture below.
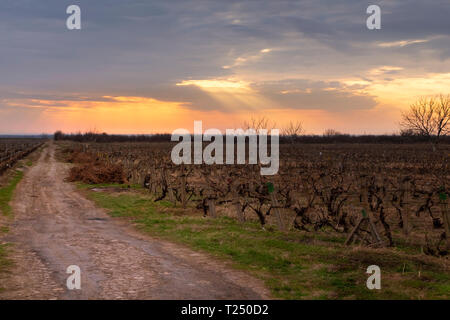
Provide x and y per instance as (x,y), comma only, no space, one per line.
(89,169)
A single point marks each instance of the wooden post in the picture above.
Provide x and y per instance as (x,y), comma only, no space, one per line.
(366,217)
(238,209)
(183,187)
(405,214)
(355,229)
(373,230)
(169,190)
(154,185)
(171,195)
(277,211)
(212,208)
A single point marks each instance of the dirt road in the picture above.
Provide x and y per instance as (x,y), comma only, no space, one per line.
(56,227)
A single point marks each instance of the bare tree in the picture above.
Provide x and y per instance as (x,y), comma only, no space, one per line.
(331,133)
(259,123)
(442,116)
(428,117)
(293,130)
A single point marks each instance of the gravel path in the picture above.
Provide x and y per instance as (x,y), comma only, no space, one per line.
(55,227)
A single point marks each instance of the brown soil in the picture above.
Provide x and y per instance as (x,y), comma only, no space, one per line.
(55,227)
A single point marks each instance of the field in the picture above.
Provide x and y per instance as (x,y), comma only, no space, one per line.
(310,231)
(12,150)
(400,189)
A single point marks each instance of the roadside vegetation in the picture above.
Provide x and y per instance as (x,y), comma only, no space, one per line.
(7,191)
(5,263)
(6,194)
(10,178)
(309,254)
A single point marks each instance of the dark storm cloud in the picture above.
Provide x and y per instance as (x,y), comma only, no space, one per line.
(146,47)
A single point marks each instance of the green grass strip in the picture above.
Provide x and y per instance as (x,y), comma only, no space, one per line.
(6,193)
(5,263)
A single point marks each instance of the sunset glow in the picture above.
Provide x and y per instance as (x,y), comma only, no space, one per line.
(222,67)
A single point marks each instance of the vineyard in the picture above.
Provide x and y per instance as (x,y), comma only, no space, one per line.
(12,150)
(375,195)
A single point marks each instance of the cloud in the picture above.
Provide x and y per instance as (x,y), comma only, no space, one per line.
(247,59)
(315,95)
(385,70)
(401,43)
(216,84)
(144,49)
(232,96)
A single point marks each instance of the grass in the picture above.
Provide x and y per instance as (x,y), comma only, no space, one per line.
(6,193)
(5,263)
(293,265)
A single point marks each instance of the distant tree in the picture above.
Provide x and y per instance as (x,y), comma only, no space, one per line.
(293,130)
(407,133)
(259,123)
(58,135)
(331,133)
(428,117)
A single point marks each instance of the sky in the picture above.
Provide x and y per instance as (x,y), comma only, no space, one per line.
(142,66)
